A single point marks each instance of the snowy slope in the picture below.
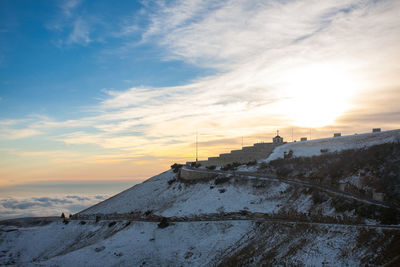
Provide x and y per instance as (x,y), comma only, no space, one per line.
(97,244)
(179,199)
(229,243)
(247,242)
(313,147)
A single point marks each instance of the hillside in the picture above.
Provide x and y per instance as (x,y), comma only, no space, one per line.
(357,141)
(166,196)
(372,172)
(251,215)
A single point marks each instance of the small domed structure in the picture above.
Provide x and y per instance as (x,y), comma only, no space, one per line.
(277,139)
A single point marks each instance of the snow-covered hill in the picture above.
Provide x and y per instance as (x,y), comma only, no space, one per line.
(194,244)
(181,199)
(165,197)
(279,223)
(313,147)
(136,244)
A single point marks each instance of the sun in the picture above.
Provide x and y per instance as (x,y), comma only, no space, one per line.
(318,94)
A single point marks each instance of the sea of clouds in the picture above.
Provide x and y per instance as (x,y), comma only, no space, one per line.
(12,207)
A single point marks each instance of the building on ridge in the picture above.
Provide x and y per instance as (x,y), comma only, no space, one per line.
(277,139)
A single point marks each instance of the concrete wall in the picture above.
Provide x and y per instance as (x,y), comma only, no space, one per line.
(250,153)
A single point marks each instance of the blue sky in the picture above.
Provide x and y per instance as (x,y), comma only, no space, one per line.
(57,57)
(102,90)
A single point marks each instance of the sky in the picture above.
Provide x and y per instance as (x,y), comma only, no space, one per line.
(117,91)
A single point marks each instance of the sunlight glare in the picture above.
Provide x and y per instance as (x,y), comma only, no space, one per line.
(319,94)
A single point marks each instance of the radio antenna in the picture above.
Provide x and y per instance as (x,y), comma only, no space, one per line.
(292,134)
(197,147)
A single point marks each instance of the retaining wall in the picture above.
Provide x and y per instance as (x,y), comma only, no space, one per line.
(187,174)
(249,153)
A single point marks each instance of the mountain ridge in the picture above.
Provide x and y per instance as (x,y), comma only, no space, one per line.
(235,218)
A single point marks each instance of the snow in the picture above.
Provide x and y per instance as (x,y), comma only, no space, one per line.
(181,244)
(179,199)
(245,168)
(200,243)
(147,195)
(313,147)
(328,247)
(96,244)
(354,180)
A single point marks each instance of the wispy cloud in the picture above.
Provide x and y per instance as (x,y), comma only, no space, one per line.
(230,33)
(276,64)
(128,26)
(16,129)
(69,6)
(270,57)
(73,26)
(80,32)
(329,50)
(54,154)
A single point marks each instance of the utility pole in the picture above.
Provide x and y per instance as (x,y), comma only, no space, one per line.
(292,134)
(197,149)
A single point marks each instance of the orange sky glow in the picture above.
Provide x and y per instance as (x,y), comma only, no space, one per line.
(273,69)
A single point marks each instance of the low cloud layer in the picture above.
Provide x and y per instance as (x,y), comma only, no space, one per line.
(45,206)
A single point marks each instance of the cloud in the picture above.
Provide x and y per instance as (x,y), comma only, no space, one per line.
(73,25)
(45,206)
(10,122)
(11,134)
(19,128)
(80,32)
(128,27)
(276,64)
(36,125)
(233,32)
(329,51)
(55,157)
(80,198)
(69,6)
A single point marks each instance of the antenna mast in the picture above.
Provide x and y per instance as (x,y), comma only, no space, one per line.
(292,134)
(197,144)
